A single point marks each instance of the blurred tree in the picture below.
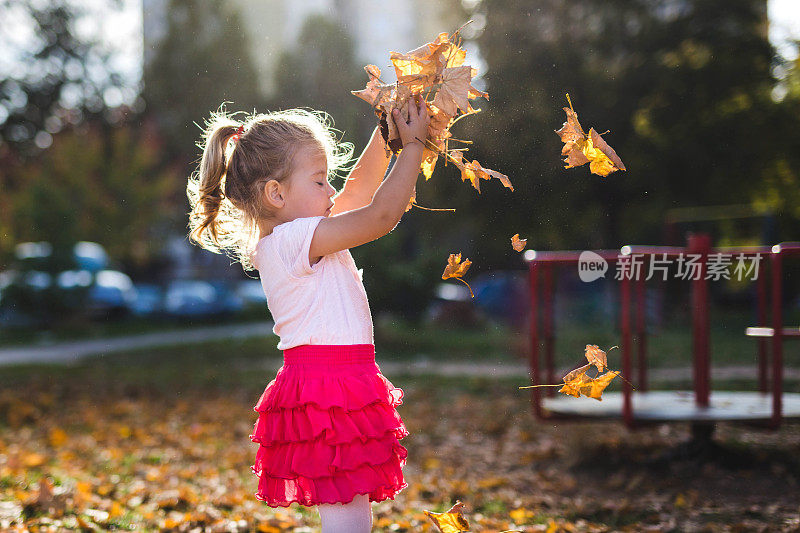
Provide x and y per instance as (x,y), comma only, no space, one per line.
(58,77)
(683,86)
(780,187)
(319,73)
(202,61)
(96,183)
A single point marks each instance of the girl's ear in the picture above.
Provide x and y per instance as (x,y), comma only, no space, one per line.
(273,194)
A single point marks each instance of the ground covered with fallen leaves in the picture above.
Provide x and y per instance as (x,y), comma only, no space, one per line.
(104,450)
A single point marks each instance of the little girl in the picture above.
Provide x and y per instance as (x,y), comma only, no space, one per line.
(327,428)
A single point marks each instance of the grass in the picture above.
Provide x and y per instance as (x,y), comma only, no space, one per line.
(470,437)
(229,363)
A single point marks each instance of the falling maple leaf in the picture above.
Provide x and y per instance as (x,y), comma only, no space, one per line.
(473,172)
(517,243)
(580,148)
(597,357)
(452,521)
(575,381)
(578,383)
(456,269)
(600,383)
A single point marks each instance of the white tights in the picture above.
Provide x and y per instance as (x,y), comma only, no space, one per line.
(353,517)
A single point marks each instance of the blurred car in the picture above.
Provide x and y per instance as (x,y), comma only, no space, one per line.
(46,285)
(251,292)
(196,298)
(111,294)
(90,256)
(149,300)
(452,307)
(503,295)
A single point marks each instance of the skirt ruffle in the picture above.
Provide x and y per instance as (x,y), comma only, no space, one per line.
(328,429)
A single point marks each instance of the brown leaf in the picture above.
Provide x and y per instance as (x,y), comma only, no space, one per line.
(517,243)
(472,171)
(455,89)
(435,70)
(596,357)
(580,148)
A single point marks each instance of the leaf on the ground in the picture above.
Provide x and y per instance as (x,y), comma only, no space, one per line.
(580,148)
(452,521)
(517,243)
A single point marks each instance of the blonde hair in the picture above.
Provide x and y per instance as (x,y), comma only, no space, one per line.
(225,192)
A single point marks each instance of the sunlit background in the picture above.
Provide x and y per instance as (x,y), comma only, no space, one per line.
(101,104)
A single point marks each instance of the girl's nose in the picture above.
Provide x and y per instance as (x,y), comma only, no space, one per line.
(331,190)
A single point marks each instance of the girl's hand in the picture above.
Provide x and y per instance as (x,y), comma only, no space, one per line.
(416,129)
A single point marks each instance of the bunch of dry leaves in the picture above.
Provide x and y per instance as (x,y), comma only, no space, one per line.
(437,72)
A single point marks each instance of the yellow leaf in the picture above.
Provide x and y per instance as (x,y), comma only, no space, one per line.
(492,482)
(450,522)
(680,500)
(580,148)
(431,463)
(57,437)
(600,383)
(429,158)
(521,515)
(116,510)
(33,460)
(575,380)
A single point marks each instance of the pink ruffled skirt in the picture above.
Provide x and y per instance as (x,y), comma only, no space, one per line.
(328,429)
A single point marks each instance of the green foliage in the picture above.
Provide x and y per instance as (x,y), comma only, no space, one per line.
(202,61)
(319,72)
(97,183)
(402,269)
(684,88)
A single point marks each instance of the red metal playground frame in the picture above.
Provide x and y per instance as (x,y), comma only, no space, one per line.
(545,263)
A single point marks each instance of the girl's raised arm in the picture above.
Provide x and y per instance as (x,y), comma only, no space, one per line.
(365,178)
(382,214)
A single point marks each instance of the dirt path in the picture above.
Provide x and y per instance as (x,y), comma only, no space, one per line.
(73,351)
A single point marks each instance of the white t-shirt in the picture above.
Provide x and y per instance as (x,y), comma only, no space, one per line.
(321,304)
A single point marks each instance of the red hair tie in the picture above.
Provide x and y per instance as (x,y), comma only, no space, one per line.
(239,131)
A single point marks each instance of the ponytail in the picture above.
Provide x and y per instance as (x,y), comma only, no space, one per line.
(207,197)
